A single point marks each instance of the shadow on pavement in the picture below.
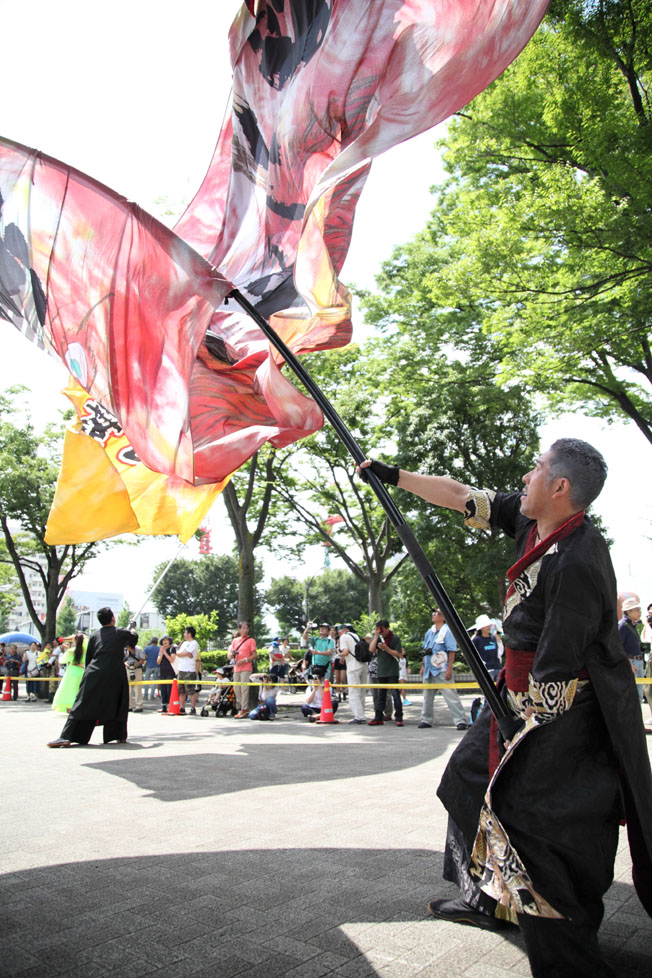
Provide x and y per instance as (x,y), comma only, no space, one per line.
(259,765)
(255,764)
(291,912)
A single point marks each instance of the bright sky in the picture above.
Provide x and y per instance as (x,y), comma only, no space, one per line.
(134,94)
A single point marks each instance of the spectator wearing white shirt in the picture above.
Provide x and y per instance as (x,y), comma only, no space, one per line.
(357,673)
(187,659)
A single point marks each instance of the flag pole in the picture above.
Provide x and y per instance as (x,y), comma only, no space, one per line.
(503,716)
(157,582)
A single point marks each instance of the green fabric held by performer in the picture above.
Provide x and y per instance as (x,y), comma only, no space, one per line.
(68,688)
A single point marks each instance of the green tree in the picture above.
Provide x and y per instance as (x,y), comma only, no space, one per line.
(285,597)
(208,584)
(247,498)
(315,479)
(67,619)
(334,595)
(29,465)
(125,616)
(337,595)
(205,626)
(542,235)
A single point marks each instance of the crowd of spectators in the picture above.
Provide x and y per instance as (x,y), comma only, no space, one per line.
(357,667)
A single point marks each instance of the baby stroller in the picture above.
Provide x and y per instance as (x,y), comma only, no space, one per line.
(297,675)
(221,698)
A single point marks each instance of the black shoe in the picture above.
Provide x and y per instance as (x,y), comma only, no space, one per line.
(423,725)
(462,726)
(459,912)
(193,711)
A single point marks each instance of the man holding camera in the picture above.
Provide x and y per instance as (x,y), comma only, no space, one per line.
(388,647)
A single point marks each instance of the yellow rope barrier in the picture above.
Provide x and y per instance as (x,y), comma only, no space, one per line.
(404,687)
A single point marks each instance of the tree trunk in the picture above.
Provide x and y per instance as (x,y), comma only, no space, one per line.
(51,603)
(245,543)
(246,580)
(375,584)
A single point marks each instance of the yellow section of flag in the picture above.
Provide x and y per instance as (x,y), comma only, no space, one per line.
(104,490)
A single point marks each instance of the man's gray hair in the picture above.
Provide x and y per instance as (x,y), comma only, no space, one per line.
(582,465)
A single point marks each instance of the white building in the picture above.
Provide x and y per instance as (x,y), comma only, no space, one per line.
(19,619)
(88,603)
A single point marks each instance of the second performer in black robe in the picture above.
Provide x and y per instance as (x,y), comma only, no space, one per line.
(103,696)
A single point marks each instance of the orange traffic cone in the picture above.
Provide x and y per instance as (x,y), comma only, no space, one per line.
(326,715)
(6,692)
(174,709)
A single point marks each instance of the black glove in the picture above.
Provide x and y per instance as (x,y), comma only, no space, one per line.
(386,473)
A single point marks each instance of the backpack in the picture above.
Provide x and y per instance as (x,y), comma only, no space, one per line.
(361,651)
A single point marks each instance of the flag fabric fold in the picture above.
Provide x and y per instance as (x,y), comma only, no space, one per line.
(320,88)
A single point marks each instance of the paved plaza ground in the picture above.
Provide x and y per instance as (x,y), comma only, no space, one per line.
(217,848)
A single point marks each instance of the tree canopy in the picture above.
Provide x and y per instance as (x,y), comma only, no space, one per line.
(315,480)
(541,237)
(333,595)
(205,626)
(201,587)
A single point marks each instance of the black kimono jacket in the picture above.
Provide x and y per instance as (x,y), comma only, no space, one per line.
(103,696)
(542,831)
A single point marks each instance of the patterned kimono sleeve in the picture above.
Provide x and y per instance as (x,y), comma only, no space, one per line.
(486,508)
(478,508)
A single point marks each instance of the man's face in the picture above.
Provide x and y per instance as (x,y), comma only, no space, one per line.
(244,629)
(323,631)
(437,619)
(634,614)
(538,489)
(187,635)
